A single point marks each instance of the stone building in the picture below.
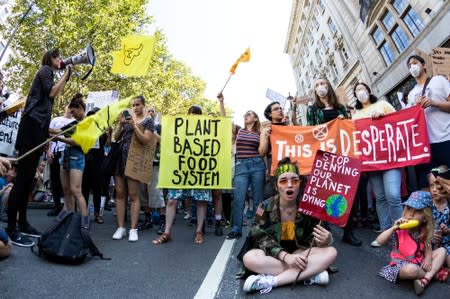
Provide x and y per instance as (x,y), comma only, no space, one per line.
(363,40)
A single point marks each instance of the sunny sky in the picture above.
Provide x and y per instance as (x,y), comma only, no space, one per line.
(209,35)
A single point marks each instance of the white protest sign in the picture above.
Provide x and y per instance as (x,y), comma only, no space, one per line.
(276,97)
(101,99)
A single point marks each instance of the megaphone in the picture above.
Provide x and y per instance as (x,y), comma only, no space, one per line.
(87,56)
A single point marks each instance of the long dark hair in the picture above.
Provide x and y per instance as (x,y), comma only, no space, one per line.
(331,95)
(47,58)
(372,98)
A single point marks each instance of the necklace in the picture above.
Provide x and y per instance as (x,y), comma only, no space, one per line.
(289,210)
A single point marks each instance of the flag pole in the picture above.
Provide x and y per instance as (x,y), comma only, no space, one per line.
(44,143)
(229,77)
(307,255)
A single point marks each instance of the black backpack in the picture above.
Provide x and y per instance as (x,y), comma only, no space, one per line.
(67,241)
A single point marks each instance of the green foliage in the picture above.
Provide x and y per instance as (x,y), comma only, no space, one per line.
(70,25)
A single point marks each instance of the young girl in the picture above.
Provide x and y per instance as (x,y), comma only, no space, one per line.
(411,256)
(441,215)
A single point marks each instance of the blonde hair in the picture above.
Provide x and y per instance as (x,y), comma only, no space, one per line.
(426,227)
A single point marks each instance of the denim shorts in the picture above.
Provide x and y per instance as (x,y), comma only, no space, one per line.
(194,194)
(72,158)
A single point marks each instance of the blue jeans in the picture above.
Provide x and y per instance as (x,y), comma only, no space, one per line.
(248,172)
(386,186)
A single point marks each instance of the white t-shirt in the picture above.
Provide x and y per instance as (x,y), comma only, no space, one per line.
(57,123)
(438,121)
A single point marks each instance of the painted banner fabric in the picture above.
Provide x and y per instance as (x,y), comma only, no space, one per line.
(301,143)
(395,140)
(92,127)
(331,188)
(195,152)
(134,57)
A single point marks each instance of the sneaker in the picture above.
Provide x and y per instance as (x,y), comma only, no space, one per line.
(187,216)
(321,279)
(262,283)
(20,240)
(375,244)
(233,235)
(30,231)
(377,228)
(133,237)
(145,225)
(120,233)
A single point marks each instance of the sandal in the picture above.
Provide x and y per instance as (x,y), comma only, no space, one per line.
(442,275)
(99,219)
(198,238)
(164,238)
(420,284)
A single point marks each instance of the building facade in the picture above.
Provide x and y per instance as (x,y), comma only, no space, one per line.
(363,40)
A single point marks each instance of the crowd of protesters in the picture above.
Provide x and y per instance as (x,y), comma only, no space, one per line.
(280,235)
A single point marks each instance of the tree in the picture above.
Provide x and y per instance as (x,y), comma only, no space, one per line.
(72,24)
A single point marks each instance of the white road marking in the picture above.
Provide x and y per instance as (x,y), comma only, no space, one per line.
(210,284)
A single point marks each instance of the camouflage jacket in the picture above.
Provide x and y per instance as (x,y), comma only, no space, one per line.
(266,231)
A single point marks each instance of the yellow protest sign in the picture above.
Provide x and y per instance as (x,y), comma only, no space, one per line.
(195,152)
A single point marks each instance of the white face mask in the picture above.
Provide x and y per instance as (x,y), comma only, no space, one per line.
(322,91)
(362,96)
(414,69)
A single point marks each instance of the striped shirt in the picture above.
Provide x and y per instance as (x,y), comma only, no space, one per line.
(247,143)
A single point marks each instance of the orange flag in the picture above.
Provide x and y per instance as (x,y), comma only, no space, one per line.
(245,57)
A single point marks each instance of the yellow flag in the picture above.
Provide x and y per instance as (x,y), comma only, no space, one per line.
(134,57)
(245,57)
(92,127)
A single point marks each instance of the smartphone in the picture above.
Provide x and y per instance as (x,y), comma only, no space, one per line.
(126,114)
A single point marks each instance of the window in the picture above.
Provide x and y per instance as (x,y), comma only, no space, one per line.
(387,53)
(310,38)
(315,23)
(320,5)
(334,70)
(311,68)
(324,43)
(399,5)
(331,26)
(377,36)
(400,39)
(388,20)
(413,21)
(319,9)
(344,54)
(318,58)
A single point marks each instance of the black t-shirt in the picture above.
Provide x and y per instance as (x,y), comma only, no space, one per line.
(39,104)
(329,114)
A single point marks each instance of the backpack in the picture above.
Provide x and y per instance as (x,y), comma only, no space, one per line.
(67,241)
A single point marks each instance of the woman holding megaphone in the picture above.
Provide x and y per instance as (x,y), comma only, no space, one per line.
(33,130)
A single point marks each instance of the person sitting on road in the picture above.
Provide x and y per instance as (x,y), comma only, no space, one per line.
(412,257)
(288,260)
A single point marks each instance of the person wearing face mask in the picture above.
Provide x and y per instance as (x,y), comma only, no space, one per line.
(386,184)
(433,94)
(326,106)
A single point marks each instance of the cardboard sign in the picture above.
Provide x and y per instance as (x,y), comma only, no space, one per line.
(275,97)
(139,164)
(101,99)
(428,63)
(395,140)
(440,59)
(331,188)
(8,133)
(195,152)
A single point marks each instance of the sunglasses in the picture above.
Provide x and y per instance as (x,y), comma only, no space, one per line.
(295,182)
(443,173)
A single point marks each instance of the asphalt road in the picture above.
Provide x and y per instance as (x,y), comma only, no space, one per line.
(177,269)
